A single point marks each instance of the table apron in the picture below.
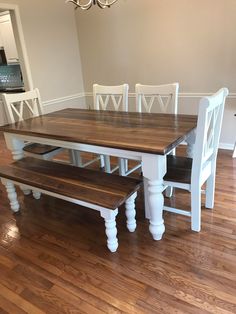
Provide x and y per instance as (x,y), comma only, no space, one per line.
(9,137)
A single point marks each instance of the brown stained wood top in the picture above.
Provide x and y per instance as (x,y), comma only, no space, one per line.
(142,132)
(91,186)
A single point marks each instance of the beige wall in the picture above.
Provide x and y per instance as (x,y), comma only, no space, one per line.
(160,41)
(52,45)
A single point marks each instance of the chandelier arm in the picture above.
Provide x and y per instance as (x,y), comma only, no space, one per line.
(101,3)
(106,3)
(101,6)
(81,6)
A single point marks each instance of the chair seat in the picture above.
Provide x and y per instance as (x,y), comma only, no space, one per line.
(39,149)
(178,169)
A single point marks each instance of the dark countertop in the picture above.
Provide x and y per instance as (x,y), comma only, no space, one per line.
(11,90)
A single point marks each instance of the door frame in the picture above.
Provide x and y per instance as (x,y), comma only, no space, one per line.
(20,43)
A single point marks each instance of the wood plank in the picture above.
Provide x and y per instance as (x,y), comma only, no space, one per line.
(39,149)
(106,190)
(145,132)
(178,169)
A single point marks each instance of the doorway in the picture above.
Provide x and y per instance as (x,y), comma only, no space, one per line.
(22,55)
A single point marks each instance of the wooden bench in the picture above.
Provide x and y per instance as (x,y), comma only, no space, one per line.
(96,190)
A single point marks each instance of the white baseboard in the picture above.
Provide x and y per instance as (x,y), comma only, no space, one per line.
(226,146)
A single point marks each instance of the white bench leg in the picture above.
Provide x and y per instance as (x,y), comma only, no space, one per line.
(12,196)
(130,213)
(36,195)
(25,191)
(111,231)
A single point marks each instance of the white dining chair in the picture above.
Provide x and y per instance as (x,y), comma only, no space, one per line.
(157,98)
(150,99)
(190,174)
(20,106)
(111,98)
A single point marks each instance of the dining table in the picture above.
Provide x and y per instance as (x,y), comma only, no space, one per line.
(145,137)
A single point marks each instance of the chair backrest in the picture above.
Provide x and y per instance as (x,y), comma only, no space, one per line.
(163,97)
(115,97)
(210,116)
(19,106)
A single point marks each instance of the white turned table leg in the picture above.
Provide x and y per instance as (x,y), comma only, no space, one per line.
(190,142)
(16,146)
(111,231)
(154,169)
(130,212)
(12,196)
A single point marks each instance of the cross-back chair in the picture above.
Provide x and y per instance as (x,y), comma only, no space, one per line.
(113,98)
(190,174)
(157,98)
(20,106)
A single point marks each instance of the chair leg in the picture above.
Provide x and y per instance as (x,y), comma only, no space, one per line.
(102,161)
(107,164)
(196,208)
(72,156)
(77,158)
(111,231)
(130,212)
(126,165)
(169,191)
(210,191)
(234,152)
(122,167)
(12,196)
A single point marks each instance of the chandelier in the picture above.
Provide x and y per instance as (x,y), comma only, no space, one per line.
(86,4)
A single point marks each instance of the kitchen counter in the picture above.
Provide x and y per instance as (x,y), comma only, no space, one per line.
(11,90)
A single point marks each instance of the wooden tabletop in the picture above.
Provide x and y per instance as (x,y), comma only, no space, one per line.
(141,132)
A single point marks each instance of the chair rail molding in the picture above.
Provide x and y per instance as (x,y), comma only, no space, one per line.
(63,99)
(181,95)
(72,101)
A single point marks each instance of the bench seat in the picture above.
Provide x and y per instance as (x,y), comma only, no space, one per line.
(97,190)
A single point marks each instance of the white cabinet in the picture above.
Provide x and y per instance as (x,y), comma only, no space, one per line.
(7,39)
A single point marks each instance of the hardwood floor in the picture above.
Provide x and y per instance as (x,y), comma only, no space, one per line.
(53,257)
